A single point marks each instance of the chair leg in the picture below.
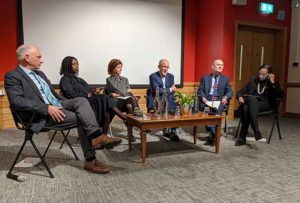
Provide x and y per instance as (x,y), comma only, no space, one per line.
(42,159)
(271,133)
(63,142)
(238,128)
(278,127)
(226,125)
(9,174)
(68,143)
(49,144)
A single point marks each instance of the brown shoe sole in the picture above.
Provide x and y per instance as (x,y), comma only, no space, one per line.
(109,145)
(98,172)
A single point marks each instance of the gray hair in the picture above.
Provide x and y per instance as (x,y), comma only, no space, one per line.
(23,50)
(161,60)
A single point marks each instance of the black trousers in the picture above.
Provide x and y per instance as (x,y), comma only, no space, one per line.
(250,109)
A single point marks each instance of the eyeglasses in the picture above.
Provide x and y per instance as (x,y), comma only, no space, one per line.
(165,67)
(262,75)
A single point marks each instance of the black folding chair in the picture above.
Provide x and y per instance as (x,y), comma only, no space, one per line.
(25,125)
(275,113)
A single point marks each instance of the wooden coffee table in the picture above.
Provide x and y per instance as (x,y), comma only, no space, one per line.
(149,121)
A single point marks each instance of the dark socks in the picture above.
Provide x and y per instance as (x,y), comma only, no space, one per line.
(94,135)
(90,159)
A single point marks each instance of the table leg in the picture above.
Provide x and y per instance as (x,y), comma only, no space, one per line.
(218,136)
(129,135)
(195,130)
(143,145)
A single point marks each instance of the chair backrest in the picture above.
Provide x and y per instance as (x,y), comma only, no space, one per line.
(274,110)
(19,121)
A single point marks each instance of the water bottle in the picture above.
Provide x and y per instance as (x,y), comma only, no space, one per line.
(157,103)
(196,102)
(165,102)
(177,112)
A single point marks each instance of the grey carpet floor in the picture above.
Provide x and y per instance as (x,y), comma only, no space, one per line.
(173,172)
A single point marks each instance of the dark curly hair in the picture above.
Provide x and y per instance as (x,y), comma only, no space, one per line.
(66,66)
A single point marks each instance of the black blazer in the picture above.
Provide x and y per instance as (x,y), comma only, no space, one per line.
(23,93)
(72,86)
(271,93)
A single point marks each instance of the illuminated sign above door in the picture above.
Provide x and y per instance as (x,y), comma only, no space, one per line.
(266,8)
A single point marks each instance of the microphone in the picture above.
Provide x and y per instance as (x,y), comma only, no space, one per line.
(16,177)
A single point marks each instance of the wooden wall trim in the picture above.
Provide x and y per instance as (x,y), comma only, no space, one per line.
(293,85)
(291,115)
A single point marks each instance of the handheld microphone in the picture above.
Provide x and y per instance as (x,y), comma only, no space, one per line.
(16,177)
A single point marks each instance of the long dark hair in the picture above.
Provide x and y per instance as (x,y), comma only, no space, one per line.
(66,66)
(266,66)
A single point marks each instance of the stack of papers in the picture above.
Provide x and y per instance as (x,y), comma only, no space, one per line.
(213,104)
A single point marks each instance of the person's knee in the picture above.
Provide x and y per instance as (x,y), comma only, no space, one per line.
(70,117)
(251,100)
(81,101)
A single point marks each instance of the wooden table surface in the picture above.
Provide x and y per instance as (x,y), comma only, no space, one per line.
(150,121)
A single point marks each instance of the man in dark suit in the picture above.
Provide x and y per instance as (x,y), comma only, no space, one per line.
(215,87)
(27,87)
(164,81)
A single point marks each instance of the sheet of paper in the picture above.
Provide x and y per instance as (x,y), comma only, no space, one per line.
(123,97)
(213,104)
(28,162)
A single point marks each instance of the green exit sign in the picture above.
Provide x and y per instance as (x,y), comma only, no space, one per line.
(266,8)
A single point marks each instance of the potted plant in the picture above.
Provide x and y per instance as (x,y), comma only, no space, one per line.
(185,102)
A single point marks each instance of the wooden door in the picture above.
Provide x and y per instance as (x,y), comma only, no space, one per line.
(263,50)
(253,48)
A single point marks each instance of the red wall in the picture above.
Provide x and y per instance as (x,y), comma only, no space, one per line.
(190,30)
(250,13)
(8,36)
(216,28)
(210,26)
(216,21)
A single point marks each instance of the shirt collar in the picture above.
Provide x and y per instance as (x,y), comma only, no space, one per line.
(26,70)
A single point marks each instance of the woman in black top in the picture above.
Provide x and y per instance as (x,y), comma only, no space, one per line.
(72,86)
(258,95)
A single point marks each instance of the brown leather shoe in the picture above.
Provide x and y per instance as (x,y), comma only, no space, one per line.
(105,142)
(96,166)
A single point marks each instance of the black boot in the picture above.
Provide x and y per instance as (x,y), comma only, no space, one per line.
(210,140)
(242,138)
(257,134)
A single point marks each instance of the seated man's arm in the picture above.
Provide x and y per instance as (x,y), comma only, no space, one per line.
(227,93)
(228,90)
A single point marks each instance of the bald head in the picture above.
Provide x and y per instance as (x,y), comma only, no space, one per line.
(163,67)
(29,56)
(217,67)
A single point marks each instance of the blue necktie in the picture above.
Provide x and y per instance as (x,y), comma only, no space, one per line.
(47,91)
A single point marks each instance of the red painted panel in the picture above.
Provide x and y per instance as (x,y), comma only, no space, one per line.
(216,27)
(8,36)
(189,40)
